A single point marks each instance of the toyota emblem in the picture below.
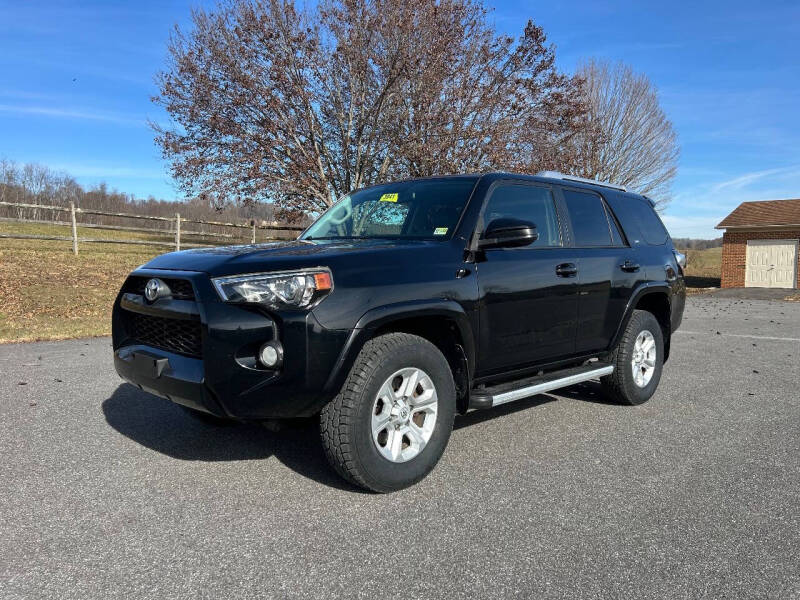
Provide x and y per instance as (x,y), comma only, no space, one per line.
(153,289)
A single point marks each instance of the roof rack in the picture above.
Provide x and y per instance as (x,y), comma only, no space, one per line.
(557,175)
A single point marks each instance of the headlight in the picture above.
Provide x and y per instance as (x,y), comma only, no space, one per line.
(289,289)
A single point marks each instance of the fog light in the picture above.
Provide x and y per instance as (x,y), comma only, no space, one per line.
(271,354)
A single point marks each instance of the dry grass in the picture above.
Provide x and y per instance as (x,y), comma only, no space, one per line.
(47,293)
(703,269)
(704,263)
(83,232)
(691,291)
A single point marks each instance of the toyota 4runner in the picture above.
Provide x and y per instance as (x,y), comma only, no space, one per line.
(406,303)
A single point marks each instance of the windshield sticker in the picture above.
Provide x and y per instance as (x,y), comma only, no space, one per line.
(440,231)
(389,198)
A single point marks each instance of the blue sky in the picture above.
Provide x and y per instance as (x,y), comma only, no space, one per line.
(76,80)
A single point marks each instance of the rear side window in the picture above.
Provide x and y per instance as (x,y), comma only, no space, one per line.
(527,202)
(588,216)
(616,236)
(644,215)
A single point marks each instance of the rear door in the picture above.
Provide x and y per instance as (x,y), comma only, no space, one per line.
(528,295)
(608,269)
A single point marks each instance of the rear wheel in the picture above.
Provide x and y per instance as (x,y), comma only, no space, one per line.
(390,423)
(638,360)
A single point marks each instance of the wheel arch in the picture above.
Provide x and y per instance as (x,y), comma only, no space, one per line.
(444,323)
(656,299)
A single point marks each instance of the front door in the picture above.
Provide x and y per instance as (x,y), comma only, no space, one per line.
(528,295)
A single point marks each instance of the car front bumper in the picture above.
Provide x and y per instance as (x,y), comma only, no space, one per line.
(217,370)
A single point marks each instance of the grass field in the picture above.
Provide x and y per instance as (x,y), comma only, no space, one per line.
(704,263)
(83,232)
(704,268)
(47,293)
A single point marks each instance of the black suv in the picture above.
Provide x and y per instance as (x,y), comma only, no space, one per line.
(405,303)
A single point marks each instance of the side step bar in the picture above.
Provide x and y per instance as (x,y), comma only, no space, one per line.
(515,390)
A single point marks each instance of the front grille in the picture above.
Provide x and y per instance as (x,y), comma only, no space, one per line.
(181,288)
(173,335)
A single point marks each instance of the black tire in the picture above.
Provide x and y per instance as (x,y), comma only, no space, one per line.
(345,422)
(620,386)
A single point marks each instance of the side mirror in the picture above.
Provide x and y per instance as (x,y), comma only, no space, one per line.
(508,233)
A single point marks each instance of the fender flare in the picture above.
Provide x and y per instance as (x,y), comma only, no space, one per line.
(379,316)
(640,292)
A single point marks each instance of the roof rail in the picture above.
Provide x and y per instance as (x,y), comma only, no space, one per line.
(557,175)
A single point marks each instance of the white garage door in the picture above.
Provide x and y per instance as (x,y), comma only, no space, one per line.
(771,263)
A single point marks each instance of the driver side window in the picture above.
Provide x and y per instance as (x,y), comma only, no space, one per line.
(527,202)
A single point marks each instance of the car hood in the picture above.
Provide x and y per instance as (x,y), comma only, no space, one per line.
(254,258)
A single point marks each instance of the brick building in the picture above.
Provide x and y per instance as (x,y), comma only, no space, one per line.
(760,245)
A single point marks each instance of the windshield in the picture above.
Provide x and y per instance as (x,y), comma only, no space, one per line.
(421,209)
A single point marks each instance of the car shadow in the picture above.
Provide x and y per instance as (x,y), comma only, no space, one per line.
(487,414)
(165,427)
(588,391)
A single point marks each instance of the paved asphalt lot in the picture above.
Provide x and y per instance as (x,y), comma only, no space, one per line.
(109,492)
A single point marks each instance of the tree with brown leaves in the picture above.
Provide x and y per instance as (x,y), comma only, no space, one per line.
(272,103)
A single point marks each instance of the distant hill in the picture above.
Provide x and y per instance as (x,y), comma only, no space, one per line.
(693,244)
(37,184)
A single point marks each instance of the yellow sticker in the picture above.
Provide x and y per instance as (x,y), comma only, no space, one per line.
(440,231)
(389,198)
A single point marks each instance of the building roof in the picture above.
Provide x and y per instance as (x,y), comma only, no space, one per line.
(764,213)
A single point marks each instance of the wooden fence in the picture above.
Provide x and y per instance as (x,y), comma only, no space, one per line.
(175,231)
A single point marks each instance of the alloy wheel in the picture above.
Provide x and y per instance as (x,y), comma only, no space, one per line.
(404,414)
(643,362)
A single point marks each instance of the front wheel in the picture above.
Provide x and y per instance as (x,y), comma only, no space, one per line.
(391,421)
(638,360)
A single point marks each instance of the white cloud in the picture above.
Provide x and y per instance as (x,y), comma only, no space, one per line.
(696,209)
(61,113)
(100,172)
(26,95)
(691,227)
(742,181)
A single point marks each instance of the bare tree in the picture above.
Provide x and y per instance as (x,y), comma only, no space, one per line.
(35,184)
(271,103)
(628,138)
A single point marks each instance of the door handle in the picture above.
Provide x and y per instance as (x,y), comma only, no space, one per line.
(629,266)
(567,270)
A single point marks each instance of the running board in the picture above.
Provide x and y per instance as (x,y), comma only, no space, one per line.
(516,390)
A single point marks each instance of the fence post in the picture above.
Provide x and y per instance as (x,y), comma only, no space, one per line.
(74,229)
(177,231)
(254,231)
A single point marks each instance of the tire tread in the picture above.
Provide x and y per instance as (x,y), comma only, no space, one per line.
(615,385)
(336,418)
